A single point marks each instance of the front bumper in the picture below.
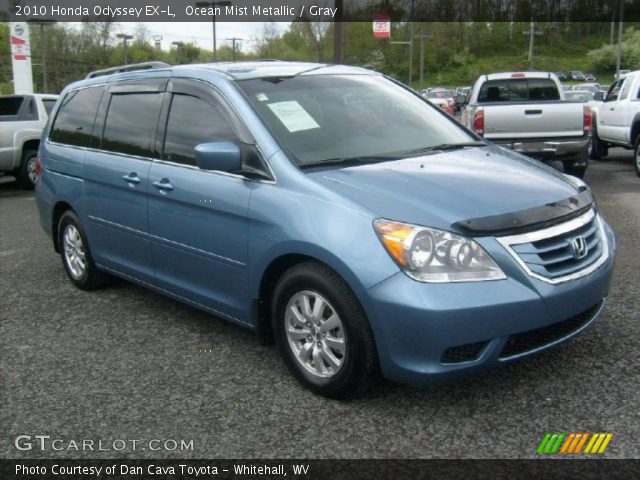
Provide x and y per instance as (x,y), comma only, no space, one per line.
(417,325)
(547,148)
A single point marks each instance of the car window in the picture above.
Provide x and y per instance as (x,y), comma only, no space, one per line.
(518,90)
(48,105)
(73,124)
(10,105)
(625,88)
(130,126)
(193,121)
(612,94)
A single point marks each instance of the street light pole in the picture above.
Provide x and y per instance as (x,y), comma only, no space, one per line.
(124,38)
(213,6)
(43,46)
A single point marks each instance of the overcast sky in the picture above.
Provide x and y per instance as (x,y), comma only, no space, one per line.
(201,33)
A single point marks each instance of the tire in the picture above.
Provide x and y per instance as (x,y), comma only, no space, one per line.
(597,148)
(76,254)
(570,167)
(26,172)
(636,156)
(342,361)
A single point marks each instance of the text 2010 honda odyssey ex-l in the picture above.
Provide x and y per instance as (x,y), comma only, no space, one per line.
(326,207)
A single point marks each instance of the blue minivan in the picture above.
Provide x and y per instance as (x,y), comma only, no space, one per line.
(329,209)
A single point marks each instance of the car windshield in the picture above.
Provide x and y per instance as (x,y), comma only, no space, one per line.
(340,118)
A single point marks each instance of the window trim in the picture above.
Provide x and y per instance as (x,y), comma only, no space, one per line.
(59,108)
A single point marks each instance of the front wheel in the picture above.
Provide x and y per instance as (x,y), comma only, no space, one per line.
(597,148)
(323,332)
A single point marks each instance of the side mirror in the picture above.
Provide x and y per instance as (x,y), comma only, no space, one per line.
(461,99)
(220,156)
(598,96)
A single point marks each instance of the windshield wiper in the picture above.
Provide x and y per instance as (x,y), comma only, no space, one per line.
(349,161)
(443,147)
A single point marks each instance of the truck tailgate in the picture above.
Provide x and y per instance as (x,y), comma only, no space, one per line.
(533,120)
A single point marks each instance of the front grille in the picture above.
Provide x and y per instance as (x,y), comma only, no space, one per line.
(533,339)
(555,257)
(463,353)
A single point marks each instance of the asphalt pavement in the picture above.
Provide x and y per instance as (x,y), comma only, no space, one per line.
(127,364)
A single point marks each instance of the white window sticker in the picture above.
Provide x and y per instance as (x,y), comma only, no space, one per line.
(293,116)
(262,97)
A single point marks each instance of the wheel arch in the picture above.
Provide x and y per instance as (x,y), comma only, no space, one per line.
(635,129)
(273,271)
(57,212)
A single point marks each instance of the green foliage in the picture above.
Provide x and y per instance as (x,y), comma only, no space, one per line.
(603,59)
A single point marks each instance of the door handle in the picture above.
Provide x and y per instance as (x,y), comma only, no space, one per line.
(163,185)
(533,112)
(131,178)
(611,108)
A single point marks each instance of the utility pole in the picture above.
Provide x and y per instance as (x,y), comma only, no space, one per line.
(158,39)
(532,32)
(421,37)
(124,38)
(620,30)
(613,19)
(213,6)
(178,47)
(337,32)
(233,47)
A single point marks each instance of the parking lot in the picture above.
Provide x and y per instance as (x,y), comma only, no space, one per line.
(125,363)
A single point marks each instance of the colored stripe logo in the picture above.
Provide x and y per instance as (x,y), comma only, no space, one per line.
(574,443)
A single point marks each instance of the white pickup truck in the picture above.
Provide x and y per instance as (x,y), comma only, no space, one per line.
(22,119)
(616,121)
(527,112)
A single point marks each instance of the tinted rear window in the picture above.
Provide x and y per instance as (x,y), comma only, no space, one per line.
(131,122)
(74,122)
(518,90)
(10,105)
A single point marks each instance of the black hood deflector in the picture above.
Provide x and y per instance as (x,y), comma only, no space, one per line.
(530,219)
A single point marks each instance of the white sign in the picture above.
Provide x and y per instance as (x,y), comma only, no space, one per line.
(293,116)
(21,57)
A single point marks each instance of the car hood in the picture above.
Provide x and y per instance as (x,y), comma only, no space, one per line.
(447,188)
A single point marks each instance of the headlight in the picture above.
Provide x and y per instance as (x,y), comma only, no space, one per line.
(436,256)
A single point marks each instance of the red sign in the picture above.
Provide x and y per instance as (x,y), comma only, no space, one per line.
(381,25)
(19,48)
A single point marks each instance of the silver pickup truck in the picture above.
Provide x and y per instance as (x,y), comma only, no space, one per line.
(527,112)
(22,119)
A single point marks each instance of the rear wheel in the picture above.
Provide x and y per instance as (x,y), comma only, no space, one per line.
(636,156)
(76,255)
(597,148)
(576,166)
(323,332)
(26,174)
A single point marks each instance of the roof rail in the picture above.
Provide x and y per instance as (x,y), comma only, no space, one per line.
(127,68)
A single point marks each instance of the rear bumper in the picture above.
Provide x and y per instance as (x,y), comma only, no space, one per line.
(546,148)
(430,333)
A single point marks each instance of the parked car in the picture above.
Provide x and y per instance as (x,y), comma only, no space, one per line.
(589,77)
(527,112)
(592,87)
(585,97)
(561,76)
(22,118)
(327,207)
(616,122)
(576,75)
(443,98)
(621,74)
